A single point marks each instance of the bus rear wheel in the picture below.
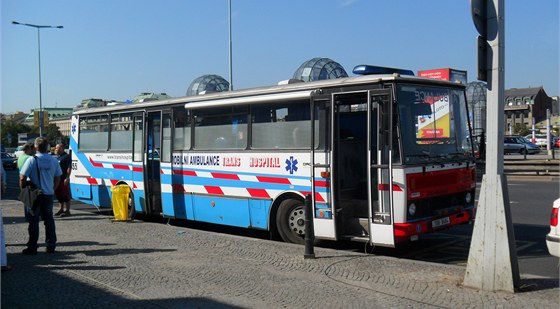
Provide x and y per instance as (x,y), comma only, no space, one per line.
(290,221)
(131,209)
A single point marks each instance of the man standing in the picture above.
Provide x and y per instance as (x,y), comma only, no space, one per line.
(63,190)
(44,172)
(28,151)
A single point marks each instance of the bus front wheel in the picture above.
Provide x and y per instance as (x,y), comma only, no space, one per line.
(290,221)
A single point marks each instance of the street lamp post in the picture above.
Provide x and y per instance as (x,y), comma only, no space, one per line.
(39,27)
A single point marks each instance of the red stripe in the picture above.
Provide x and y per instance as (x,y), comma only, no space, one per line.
(273,180)
(91,181)
(321,183)
(178,188)
(225,176)
(258,193)
(121,167)
(137,169)
(114,182)
(184,172)
(214,190)
(318,197)
(95,164)
(134,185)
(385,187)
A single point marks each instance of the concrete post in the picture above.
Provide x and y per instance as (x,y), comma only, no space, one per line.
(492,263)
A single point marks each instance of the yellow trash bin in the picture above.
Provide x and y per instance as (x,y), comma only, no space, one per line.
(120,201)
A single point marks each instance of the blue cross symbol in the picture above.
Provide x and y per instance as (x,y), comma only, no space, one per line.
(291,165)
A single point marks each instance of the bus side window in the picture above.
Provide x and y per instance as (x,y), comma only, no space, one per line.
(94,133)
(281,126)
(181,129)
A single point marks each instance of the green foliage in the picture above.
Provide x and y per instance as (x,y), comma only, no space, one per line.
(52,134)
(10,127)
(520,129)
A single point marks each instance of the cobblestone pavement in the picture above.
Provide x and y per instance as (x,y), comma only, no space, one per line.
(105,264)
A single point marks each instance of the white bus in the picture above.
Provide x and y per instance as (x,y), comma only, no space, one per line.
(385,158)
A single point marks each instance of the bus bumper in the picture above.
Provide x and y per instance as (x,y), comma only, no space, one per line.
(410,230)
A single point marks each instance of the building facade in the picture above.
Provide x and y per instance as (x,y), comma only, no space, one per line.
(525,106)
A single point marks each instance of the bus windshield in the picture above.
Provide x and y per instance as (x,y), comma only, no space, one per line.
(433,124)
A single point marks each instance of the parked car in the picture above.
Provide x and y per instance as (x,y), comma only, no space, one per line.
(540,139)
(8,161)
(556,142)
(519,144)
(553,238)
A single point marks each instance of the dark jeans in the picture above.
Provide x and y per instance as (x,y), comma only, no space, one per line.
(43,210)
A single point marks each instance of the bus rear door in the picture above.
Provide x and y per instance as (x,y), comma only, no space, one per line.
(146,156)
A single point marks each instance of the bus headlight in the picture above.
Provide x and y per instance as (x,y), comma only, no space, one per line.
(412,209)
(468,198)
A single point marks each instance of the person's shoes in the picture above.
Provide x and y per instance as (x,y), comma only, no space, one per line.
(50,250)
(60,212)
(29,251)
(65,214)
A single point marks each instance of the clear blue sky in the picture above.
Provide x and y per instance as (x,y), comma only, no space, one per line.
(115,49)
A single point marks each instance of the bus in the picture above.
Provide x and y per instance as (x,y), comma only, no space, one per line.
(385,158)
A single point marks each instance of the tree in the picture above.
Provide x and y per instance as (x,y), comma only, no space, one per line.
(52,134)
(520,129)
(10,127)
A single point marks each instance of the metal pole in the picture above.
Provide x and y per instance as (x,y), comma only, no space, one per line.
(230,50)
(309,233)
(38,27)
(40,88)
(548,140)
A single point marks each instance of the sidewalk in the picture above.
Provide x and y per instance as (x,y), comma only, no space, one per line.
(105,264)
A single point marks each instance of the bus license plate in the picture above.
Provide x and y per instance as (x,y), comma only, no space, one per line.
(440,222)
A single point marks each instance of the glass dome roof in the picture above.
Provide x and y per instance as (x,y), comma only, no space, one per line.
(209,82)
(319,69)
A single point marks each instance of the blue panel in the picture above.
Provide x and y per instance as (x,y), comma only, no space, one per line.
(167,204)
(139,200)
(80,191)
(183,204)
(220,210)
(259,210)
(101,196)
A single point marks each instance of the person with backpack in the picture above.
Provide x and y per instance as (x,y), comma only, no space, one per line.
(44,172)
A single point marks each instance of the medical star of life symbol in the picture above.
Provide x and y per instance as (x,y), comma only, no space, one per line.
(291,165)
(73,128)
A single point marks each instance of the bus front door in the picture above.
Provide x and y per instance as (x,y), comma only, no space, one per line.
(380,175)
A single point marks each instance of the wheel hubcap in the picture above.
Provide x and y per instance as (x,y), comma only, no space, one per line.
(296,221)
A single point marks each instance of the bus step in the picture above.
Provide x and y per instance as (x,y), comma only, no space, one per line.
(357,227)
(354,238)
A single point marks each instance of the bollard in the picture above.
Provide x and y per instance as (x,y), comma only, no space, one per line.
(309,232)
(525,153)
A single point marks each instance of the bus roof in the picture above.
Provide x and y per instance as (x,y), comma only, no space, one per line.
(268,93)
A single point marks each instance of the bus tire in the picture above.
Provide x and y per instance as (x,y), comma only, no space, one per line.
(290,221)
(131,208)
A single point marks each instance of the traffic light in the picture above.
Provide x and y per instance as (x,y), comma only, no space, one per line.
(479,16)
